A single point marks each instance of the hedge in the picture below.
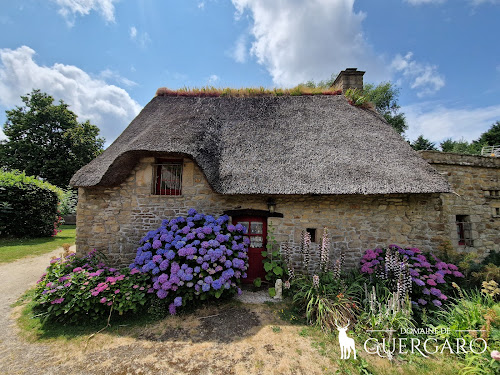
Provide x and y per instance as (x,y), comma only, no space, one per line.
(28,206)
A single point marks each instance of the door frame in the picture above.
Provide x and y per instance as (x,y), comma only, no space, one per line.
(255,272)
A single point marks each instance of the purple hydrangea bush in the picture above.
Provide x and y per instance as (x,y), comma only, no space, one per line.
(193,258)
(78,288)
(431,278)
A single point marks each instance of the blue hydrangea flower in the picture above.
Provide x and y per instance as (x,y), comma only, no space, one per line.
(178,301)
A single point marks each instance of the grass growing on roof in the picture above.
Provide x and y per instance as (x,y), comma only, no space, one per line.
(210,91)
(12,249)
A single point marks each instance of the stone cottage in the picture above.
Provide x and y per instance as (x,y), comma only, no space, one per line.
(280,163)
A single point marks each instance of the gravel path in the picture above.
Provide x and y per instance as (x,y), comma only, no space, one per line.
(16,355)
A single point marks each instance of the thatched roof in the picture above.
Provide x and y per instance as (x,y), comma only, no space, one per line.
(271,145)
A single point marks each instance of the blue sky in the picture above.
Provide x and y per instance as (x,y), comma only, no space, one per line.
(106,58)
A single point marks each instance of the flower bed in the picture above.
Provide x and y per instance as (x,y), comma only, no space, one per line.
(430,277)
(76,288)
(193,258)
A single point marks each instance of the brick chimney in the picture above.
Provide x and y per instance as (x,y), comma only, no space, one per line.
(350,78)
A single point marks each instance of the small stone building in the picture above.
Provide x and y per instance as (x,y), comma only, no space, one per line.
(471,213)
(280,163)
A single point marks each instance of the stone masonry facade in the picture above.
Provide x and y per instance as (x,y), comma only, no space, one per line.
(475,181)
(113,220)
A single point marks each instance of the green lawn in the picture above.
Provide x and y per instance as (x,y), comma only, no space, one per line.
(12,249)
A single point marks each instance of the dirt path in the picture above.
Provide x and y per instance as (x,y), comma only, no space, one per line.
(229,339)
(17,356)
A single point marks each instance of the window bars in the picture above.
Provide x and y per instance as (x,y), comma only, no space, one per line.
(167,177)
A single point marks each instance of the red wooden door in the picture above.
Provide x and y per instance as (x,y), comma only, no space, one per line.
(257,234)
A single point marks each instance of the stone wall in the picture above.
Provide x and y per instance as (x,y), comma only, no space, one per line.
(114,219)
(473,179)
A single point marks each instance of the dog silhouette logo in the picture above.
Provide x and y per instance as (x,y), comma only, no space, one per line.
(346,343)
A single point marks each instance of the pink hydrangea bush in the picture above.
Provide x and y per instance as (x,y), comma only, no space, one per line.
(193,258)
(431,277)
(75,289)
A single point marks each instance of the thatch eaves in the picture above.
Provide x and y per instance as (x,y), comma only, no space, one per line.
(271,145)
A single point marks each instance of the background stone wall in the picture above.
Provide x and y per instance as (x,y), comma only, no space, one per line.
(113,220)
(472,179)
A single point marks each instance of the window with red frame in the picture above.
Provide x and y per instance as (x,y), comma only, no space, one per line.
(168,177)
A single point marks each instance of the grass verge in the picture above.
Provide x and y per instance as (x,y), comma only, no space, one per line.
(12,249)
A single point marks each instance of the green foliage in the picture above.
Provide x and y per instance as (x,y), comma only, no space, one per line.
(384,97)
(385,310)
(75,289)
(460,147)
(46,140)
(273,262)
(492,136)
(29,206)
(325,299)
(68,202)
(356,97)
(474,314)
(257,282)
(422,143)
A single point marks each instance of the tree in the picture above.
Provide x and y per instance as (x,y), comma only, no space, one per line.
(460,147)
(46,140)
(491,137)
(422,143)
(384,97)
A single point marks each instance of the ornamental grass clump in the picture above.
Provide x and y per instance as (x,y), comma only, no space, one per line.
(83,288)
(194,258)
(423,276)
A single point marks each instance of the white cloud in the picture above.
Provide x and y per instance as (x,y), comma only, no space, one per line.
(201,5)
(107,106)
(302,40)
(142,39)
(438,123)
(420,2)
(133,33)
(70,8)
(213,79)
(423,77)
(239,52)
(109,74)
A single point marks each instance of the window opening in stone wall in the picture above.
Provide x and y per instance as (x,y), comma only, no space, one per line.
(497,211)
(464,230)
(168,177)
(312,233)
(495,193)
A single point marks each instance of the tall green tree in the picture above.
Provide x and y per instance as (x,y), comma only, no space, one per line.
(422,143)
(384,97)
(46,140)
(492,136)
